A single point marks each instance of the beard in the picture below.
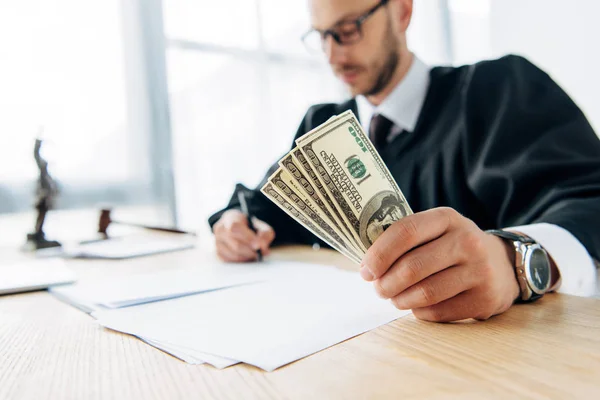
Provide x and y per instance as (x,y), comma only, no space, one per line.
(383,72)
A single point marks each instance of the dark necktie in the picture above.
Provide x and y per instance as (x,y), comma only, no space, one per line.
(379,130)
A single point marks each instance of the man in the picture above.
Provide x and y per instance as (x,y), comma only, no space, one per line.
(489,146)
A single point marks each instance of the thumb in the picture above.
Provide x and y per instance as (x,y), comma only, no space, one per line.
(265,234)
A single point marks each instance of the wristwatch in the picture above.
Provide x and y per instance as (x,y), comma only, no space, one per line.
(532,265)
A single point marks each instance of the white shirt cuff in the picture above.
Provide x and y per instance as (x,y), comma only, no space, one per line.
(574,263)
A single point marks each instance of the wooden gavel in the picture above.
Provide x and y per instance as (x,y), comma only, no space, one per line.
(105,220)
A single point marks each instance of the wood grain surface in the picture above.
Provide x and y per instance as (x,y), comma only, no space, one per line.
(549,349)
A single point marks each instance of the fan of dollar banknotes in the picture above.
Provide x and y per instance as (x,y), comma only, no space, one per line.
(335,184)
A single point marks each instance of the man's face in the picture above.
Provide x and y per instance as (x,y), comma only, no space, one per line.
(368,65)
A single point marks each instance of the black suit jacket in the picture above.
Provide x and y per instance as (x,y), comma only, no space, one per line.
(499,141)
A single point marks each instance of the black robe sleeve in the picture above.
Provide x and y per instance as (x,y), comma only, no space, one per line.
(287,230)
(531,154)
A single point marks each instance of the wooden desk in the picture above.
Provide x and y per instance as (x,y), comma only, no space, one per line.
(550,349)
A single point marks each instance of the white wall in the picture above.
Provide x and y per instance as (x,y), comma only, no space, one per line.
(426,33)
(558,36)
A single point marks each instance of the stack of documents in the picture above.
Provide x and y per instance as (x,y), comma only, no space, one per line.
(110,293)
(281,313)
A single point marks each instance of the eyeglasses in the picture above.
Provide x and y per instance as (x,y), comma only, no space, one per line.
(344,32)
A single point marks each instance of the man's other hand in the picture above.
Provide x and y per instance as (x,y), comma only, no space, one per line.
(236,242)
(443,267)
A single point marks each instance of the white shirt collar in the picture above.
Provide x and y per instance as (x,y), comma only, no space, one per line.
(404,104)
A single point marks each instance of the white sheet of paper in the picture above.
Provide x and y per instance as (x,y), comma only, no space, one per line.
(130,246)
(34,275)
(92,295)
(191,356)
(267,324)
(188,358)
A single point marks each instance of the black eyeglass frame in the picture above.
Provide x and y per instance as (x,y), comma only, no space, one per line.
(336,36)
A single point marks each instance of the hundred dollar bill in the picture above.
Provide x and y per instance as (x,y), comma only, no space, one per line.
(305,185)
(355,177)
(309,172)
(286,185)
(276,197)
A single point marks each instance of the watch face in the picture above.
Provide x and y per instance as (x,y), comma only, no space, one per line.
(538,270)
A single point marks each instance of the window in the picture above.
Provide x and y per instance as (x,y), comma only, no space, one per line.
(146,101)
(239,84)
(63,75)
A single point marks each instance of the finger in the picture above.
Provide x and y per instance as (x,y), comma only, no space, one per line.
(265,233)
(437,288)
(241,231)
(465,305)
(229,218)
(260,224)
(235,250)
(246,236)
(244,250)
(404,235)
(225,255)
(265,240)
(224,252)
(237,229)
(419,264)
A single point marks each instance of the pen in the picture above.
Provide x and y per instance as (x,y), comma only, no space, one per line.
(244,205)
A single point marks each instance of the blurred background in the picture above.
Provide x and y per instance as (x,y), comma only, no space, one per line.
(163,105)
